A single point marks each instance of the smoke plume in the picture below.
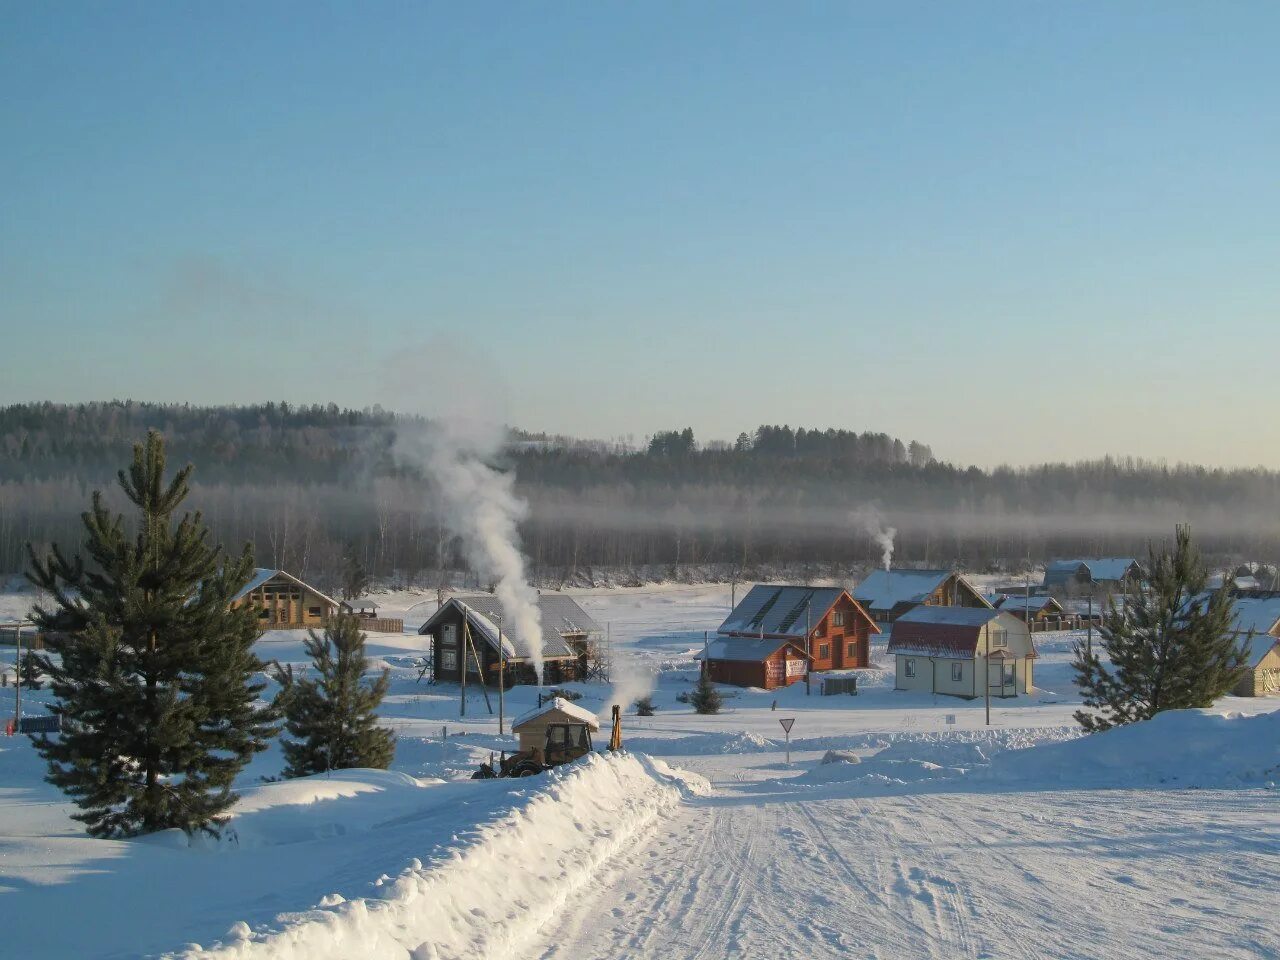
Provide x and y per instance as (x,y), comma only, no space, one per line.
(481,508)
(877,530)
(632,679)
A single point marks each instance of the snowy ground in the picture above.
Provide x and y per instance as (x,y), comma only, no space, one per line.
(946,840)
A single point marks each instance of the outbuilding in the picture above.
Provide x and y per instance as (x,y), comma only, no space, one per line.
(768,663)
(559,719)
(951,650)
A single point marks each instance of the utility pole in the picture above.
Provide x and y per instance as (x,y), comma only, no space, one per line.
(462,660)
(17,678)
(808,667)
(1088,648)
(502,681)
(986,666)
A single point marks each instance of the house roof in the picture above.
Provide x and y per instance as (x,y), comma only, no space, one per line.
(1100,568)
(945,632)
(261,575)
(782,611)
(885,589)
(749,649)
(557,705)
(1014,602)
(561,617)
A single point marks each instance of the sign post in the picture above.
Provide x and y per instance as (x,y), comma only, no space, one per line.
(786,728)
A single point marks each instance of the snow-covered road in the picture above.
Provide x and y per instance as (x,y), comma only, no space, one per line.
(771,871)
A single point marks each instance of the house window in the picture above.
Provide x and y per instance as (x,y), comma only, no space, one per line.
(999,638)
(957,672)
(448,659)
(263,614)
(852,649)
(824,651)
(837,618)
(909,667)
(313,611)
(1008,675)
(450,637)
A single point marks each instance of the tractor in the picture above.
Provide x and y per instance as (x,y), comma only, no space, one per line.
(555,733)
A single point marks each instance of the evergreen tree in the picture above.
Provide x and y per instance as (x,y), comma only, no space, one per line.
(705,697)
(333,716)
(645,707)
(29,671)
(355,579)
(1169,645)
(154,679)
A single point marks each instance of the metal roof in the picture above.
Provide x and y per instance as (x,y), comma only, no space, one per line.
(955,616)
(1100,568)
(561,706)
(780,611)
(1014,602)
(261,575)
(946,632)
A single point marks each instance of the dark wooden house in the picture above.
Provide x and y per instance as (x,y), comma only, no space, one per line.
(751,662)
(568,636)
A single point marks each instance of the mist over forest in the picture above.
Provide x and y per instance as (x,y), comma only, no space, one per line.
(317,489)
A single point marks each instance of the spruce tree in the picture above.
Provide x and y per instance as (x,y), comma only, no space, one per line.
(705,697)
(333,716)
(154,678)
(29,671)
(1169,645)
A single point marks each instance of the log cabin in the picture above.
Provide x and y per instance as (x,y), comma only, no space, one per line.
(568,637)
(888,594)
(284,602)
(753,662)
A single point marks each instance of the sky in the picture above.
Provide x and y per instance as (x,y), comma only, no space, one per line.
(1014,231)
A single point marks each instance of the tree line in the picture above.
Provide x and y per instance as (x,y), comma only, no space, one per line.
(318,489)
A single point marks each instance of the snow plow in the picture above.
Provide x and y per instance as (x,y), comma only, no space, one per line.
(555,733)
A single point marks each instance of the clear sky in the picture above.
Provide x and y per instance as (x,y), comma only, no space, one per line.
(1015,231)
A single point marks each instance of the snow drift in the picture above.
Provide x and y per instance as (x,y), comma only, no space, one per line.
(1178,748)
(493,889)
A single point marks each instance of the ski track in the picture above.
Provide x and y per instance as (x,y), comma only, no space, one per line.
(982,875)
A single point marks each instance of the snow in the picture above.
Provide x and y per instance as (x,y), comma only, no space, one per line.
(561,705)
(1021,839)
(885,589)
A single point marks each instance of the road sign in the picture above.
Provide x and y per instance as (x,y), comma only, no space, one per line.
(786,724)
(951,719)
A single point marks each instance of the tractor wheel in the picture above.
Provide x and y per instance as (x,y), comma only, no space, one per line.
(527,769)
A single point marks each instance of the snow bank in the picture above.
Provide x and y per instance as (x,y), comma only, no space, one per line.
(493,890)
(1183,748)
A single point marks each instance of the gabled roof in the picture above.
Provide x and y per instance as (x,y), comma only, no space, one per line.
(261,575)
(787,611)
(1014,602)
(1261,614)
(1065,566)
(886,589)
(1099,568)
(751,649)
(946,632)
(561,617)
(553,709)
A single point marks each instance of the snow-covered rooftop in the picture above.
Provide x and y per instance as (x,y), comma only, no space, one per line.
(558,705)
(955,616)
(780,611)
(750,649)
(885,589)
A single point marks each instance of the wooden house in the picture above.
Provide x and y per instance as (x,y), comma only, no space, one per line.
(1079,575)
(952,650)
(568,635)
(826,623)
(1257,627)
(1041,611)
(767,663)
(284,602)
(888,594)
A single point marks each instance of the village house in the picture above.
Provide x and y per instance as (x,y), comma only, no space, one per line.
(1042,611)
(888,594)
(1257,626)
(1111,574)
(951,650)
(284,602)
(775,631)
(569,638)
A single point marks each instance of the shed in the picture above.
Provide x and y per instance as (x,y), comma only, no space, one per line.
(768,662)
(531,727)
(950,650)
(888,594)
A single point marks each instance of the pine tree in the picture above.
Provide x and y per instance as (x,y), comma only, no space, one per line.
(1169,645)
(705,697)
(29,672)
(334,715)
(154,678)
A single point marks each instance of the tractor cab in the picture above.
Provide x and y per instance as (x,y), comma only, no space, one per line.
(566,741)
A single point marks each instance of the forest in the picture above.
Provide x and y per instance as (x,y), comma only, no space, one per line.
(319,490)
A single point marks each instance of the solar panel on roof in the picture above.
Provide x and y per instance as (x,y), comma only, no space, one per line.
(794,615)
(763,612)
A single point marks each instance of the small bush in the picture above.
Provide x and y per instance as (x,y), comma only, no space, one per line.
(570,695)
(705,697)
(644,707)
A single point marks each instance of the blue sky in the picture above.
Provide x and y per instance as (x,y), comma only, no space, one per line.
(1015,231)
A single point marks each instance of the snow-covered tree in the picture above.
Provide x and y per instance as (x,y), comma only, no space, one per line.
(705,697)
(1169,644)
(333,716)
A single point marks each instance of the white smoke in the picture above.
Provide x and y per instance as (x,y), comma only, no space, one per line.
(869,517)
(631,678)
(481,507)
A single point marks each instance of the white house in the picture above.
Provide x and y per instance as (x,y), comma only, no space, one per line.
(950,649)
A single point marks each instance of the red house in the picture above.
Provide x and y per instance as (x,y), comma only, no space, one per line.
(823,625)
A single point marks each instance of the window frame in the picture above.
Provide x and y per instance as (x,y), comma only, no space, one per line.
(999,638)
(909,667)
(957,671)
(824,651)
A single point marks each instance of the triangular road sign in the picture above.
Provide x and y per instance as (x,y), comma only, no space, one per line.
(786,724)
